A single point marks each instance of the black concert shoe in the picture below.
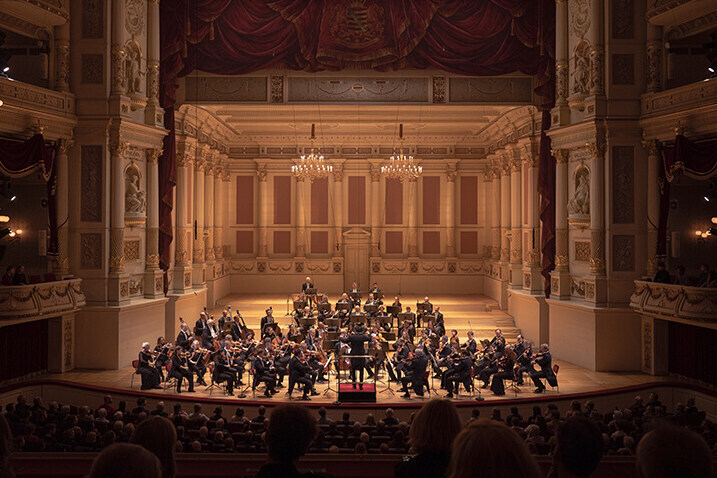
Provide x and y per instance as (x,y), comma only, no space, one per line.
(179,391)
(405,395)
(314,393)
(539,390)
(305,397)
(267,394)
(498,394)
(191,390)
(450,395)
(278,385)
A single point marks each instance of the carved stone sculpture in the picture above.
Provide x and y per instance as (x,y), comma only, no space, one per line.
(580,203)
(134,197)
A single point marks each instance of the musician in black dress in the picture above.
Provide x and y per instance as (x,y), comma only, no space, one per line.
(184,339)
(300,373)
(180,370)
(161,351)
(263,373)
(414,374)
(462,374)
(356,342)
(223,372)
(505,371)
(545,362)
(145,366)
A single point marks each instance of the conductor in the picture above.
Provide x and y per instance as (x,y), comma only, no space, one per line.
(356,342)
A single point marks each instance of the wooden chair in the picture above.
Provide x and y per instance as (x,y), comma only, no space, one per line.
(135,364)
(556,368)
(170,381)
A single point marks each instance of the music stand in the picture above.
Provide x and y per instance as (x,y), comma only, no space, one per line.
(355,296)
(307,321)
(300,304)
(324,307)
(403,316)
(345,306)
(422,307)
(393,309)
(358,318)
(310,291)
(332,322)
(385,319)
(370,309)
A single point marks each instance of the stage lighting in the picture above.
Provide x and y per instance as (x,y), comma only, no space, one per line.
(18,232)
(4,219)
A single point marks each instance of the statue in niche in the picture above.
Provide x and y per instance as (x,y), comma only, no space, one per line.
(133,64)
(580,203)
(134,200)
(581,70)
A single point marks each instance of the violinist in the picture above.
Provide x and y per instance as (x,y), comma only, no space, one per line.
(267,320)
(398,362)
(454,339)
(491,367)
(145,366)
(184,337)
(408,329)
(523,362)
(223,372)
(161,351)
(200,325)
(293,334)
(236,328)
(415,371)
(180,370)
(505,370)
(376,292)
(444,351)
(264,372)
(471,344)
(282,356)
(498,342)
(545,362)
(210,335)
(303,314)
(197,362)
(461,374)
(300,374)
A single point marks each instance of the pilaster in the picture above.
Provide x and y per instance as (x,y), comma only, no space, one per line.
(153,275)
(451,174)
(560,277)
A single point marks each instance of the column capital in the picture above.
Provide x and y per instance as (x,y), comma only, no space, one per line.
(375,173)
(596,149)
(118,148)
(64,145)
(651,145)
(338,174)
(451,173)
(152,154)
(561,155)
(262,174)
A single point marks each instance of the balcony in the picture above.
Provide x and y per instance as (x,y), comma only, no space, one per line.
(23,95)
(43,299)
(667,301)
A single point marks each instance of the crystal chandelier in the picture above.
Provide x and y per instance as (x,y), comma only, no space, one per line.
(401,166)
(311,166)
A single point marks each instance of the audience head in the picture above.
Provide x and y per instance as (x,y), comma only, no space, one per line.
(290,433)
(125,460)
(434,427)
(157,434)
(579,447)
(487,448)
(669,451)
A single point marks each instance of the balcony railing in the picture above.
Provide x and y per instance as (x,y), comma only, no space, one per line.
(675,301)
(32,300)
(17,93)
(680,99)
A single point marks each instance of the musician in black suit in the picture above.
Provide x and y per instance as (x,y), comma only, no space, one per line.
(356,341)
(355,290)
(462,374)
(180,370)
(427,310)
(223,372)
(300,373)
(263,373)
(200,325)
(545,362)
(439,322)
(162,356)
(376,293)
(305,286)
(498,342)
(524,352)
(267,319)
(145,366)
(236,328)
(491,366)
(224,319)
(209,334)
(184,337)
(196,362)
(397,363)
(414,374)
(471,344)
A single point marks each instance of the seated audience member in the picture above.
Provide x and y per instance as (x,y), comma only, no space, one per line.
(578,450)
(706,277)
(432,432)
(125,460)
(680,277)
(157,434)
(669,451)
(291,431)
(19,278)
(662,276)
(323,419)
(5,449)
(487,449)
(9,277)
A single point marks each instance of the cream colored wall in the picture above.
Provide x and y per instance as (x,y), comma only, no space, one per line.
(531,315)
(187,306)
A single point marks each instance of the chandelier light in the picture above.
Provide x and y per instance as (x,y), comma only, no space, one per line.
(311,166)
(401,166)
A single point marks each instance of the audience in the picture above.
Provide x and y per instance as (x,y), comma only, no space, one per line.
(669,451)
(432,432)
(578,449)
(157,435)
(488,448)
(124,460)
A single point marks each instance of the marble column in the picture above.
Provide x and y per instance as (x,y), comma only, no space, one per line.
(597,52)
(653,204)
(516,216)
(153,113)
(118,285)
(413,217)
(560,277)
(505,214)
(487,221)
(338,210)
(209,215)
(182,280)
(262,175)
(596,286)
(117,53)
(532,278)
(226,230)
(62,57)
(451,174)
(61,264)
(375,209)
(153,283)
(300,217)
(219,205)
(198,270)
(495,214)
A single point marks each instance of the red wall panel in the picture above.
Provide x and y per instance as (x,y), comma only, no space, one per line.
(431,200)
(245,199)
(320,201)
(245,242)
(469,242)
(469,200)
(357,199)
(431,242)
(394,242)
(282,200)
(282,242)
(394,201)
(319,242)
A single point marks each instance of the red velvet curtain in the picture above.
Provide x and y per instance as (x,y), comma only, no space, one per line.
(469,37)
(22,158)
(689,352)
(15,341)
(546,188)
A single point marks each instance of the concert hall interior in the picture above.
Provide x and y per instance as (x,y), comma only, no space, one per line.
(358,204)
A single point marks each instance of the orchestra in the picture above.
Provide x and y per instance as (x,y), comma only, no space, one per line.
(322,341)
